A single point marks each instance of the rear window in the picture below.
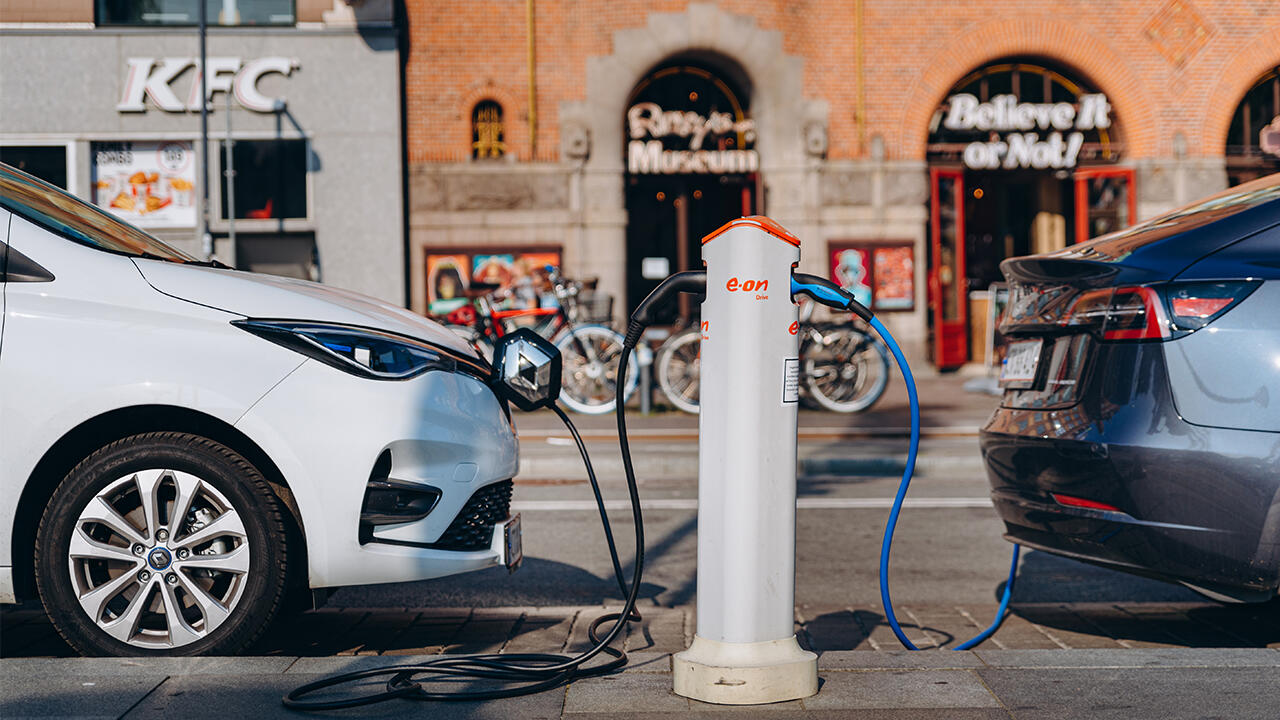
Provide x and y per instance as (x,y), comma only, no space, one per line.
(46,205)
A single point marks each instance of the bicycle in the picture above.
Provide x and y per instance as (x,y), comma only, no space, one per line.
(590,351)
(843,367)
(679,368)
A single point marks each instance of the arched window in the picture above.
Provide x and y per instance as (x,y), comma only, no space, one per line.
(487,134)
(1253,139)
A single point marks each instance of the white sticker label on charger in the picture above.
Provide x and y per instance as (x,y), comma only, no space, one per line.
(790,380)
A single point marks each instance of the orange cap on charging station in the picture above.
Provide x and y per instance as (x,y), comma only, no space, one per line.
(758,221)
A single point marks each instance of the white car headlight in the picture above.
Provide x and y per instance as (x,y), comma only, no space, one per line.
(364,352)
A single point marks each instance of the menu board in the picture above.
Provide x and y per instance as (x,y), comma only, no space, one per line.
(149,184)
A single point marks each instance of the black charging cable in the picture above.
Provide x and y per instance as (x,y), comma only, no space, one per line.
(527,673)
(513,674)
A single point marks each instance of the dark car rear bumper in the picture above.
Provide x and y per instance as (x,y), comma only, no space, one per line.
(1196,505)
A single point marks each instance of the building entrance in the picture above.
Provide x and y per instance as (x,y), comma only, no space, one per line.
(1010,214)
(691,167)
(1023,159)
(669,216)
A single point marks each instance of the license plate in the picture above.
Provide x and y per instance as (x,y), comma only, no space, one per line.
(511,538)
(1021,360)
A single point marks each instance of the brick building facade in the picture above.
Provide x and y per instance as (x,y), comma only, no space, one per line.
(851,116)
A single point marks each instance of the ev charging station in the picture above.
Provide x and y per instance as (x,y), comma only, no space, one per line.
(745,649)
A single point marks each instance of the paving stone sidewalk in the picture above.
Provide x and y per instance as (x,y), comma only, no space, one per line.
(1153,683)
(410,631)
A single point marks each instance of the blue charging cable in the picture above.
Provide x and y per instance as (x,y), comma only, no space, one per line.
(887,543)
(828,293)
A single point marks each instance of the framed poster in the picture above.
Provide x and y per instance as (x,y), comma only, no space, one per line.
(880,274)
(447,277)
(851,270)
(893,272)
(450,271)
(149,184)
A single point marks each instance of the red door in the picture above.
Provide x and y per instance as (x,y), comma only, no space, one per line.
(1105,201)
(946,271)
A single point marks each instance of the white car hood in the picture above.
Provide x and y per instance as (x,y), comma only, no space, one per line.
(268,296)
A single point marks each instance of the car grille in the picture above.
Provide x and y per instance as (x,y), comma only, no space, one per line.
(473,528)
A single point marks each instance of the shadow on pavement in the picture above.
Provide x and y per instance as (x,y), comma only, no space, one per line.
(1079,599)
(1047,578)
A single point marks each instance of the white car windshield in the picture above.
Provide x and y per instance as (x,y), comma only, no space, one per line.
(44,204)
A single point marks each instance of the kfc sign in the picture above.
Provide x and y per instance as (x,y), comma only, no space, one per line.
(153,78)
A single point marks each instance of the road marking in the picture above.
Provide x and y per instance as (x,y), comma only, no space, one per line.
(804,503)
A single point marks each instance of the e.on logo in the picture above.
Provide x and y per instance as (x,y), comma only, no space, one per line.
(748,286)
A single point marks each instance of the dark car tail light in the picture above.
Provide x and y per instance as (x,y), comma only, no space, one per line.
(1194,305)
(1155,312)
(1135,314)
(1125,313)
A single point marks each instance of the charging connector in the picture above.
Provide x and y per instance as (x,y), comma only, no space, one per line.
(825,292)
(693,282)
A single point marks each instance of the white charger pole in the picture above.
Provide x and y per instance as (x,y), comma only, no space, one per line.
(745,650)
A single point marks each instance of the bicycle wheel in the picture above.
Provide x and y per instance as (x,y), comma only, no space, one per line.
(589,382)
(844,369)
(679,369)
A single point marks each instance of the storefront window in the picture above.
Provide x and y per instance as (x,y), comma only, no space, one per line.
(1102,202)
(47,162)
(1253,140)
(187,12)
(270,180)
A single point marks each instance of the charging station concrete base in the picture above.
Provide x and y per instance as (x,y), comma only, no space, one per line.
(745,673)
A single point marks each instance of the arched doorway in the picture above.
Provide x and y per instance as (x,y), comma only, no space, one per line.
(1023,158)
(691,166)
(1253,138)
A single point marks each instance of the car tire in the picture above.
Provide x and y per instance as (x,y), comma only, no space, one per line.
(211,574)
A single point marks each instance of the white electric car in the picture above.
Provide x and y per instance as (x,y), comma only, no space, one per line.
(180,443)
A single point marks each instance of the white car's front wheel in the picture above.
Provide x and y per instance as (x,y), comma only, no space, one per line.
(161,544)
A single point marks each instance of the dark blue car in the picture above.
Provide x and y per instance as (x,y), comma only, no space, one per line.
(1140,423)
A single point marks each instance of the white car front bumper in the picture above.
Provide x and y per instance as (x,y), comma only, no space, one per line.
(326,429)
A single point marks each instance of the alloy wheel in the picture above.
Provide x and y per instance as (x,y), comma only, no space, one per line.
(158,559)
